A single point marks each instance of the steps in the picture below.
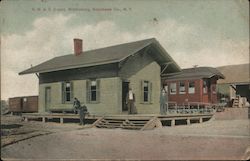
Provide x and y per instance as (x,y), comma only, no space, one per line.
(236,102)
(134,124)
(111,123)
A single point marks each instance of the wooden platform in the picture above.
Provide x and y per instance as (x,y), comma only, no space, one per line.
(136,122)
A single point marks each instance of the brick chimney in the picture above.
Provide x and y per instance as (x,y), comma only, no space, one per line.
(77,46)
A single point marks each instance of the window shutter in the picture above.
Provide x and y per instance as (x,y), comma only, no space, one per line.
(98,91)
(71,91)
(88,91)
(150,92)
(142,91)
(63,92)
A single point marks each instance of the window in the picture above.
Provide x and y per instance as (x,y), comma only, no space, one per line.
(146,91)
(204,86)
(172,88)
(182,89)
(191,88)
(93,91)
(166,88)
(67,88)
(213,86)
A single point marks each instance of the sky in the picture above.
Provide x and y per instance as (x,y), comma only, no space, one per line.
(194,32)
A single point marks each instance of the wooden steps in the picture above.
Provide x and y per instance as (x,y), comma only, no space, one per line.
(109,123)
(135,125)
(131,124)
(236,102)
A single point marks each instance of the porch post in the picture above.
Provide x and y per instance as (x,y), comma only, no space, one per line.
(173,122)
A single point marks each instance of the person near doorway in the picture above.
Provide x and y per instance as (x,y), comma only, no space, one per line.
(166,91)
(76,105)
(130,101)
(163,101)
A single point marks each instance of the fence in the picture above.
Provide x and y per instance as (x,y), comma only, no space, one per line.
(190,108)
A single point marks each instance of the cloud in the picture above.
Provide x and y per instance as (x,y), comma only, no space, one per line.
(13,85)
(18,52)
(225,52)
(53,36)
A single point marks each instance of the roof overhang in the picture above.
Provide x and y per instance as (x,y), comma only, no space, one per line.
(177,76)
(165,60)
(168,65)
(31,70)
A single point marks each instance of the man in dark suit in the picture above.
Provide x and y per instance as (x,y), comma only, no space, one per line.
(76,105)
(130,101)
(163,101)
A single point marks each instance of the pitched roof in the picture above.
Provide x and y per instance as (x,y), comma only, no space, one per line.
(195,73)
(107,55)
(235,73)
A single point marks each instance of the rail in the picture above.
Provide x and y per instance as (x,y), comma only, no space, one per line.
(190,108)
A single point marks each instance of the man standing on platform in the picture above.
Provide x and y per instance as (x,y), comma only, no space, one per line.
(163,101)
(82,113)
(130,101)
(82,110)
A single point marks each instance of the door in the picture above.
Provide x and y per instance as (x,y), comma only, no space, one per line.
(125,89)
(47,98)
(24,104)
(213,94)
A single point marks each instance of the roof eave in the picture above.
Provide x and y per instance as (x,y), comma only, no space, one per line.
(172,77)
(65,68)
(167,55)
(136,51)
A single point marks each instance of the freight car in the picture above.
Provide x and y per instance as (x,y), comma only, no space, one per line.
(23,104)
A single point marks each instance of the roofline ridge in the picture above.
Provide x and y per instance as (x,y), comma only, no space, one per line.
(152,38)
(122,44)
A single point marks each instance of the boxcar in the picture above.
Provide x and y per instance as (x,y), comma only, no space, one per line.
(23,104)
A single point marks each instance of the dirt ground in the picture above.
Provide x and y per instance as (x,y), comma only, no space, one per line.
(217,139)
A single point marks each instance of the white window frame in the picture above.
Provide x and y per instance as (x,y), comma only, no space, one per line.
(93,83)
(204,87)
(191,90)
(172,88)
(182,91)
(148,92)
(65,92)
(89,84)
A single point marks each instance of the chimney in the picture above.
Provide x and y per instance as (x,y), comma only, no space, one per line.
(77,46)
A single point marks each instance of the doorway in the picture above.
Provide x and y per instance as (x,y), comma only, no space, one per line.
(23,104)
(47,98)
(125,89)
